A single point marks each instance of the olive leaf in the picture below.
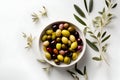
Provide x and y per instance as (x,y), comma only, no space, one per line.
(85,70)
(79,20)
(97,58)
(77,70)
(90,6)
(107,3)
(114,5)
(106,38)
(104,34)
(73,75)
(99,34)
(93,46)
(93,36)
(79,10)
(41,61)
(85,3)
(35,17)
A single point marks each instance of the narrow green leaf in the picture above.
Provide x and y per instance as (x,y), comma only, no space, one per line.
(85,30)
(85,3)
(104,34)
(79,10)
(70,72)
(99,34)
(97,58)
(106,38)
(93,46)
(80,20)
(114,5)
(77,70)
(84,70)
(107,3)
(93,36)
(90,6)
(90,32)
(100,12)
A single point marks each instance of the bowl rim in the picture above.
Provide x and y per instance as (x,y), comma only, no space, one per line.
(79,56)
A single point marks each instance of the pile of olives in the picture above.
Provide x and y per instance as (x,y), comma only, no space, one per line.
(62,43)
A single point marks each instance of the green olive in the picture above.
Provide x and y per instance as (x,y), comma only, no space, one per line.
(72,38)
(65,33)
(53,35)
(57,61)
(74,56)
(58,39)
(48,56)
(60,57)
(69,43)
(67,60)
(74,45)
(44,37)
(58,33)
(50,31)
(71,29)
(64,46)
(64,40)
(49,37)
(46,43)
(58,46)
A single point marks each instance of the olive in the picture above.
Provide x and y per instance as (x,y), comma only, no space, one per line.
(53,35)
(79,40)
(60,57)
(58,39)
(53,44)
(54,27)
(76,34)
(45,43)
(71,29)
(55,51)
(79,48)
(64,40)
(49,49)
(62,52)
(74,56)
(49,31)
(64,46)
(67,60)
(57,61)
(48,55)
(66,25)
(58,32)
(61,26)
(54,56)
(58,46)
(44,37)
(65,33)
(69,43)
(74,45)
(72,38)
(49,37)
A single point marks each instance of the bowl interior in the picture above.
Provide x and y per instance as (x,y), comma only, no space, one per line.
(52,62)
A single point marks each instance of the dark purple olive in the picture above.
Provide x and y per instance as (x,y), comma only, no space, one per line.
(76,34)
(79,40)
(49,49)
(79,48)
(54,27)
(53,44)
(70,54)
(54,56)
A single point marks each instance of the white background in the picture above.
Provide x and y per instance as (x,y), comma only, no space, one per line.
(18,63)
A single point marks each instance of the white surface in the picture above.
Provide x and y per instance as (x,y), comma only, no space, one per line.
(17,63)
